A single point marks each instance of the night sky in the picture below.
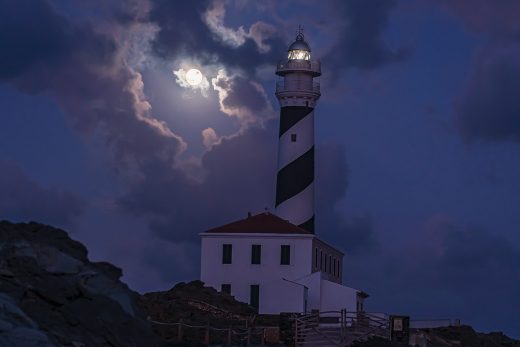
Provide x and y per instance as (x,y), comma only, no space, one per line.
(417,135)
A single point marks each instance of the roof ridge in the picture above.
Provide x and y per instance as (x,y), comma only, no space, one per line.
(264,222)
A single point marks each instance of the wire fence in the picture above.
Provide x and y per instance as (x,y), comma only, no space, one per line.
(180,332)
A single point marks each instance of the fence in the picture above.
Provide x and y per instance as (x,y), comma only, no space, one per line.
(432,323)
(338,328)
(206,334)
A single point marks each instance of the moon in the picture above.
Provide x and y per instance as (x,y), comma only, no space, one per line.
(193,77)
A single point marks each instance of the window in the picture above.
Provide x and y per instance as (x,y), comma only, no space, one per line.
(299,54)
(321,259)
(226,288)
(330,264)
(256,254)
(293,137)
(285,256)
(325,267)
(334,267)
(254,297)
(316,257)
(227,253)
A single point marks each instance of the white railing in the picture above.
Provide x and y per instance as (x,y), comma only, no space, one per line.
(298,86)
(339,328)
(295,65)
(430,323)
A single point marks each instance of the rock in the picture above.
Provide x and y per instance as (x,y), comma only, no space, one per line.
(16,328)
(52,295)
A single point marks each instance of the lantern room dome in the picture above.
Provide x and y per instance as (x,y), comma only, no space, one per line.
(299,49)
(300,45)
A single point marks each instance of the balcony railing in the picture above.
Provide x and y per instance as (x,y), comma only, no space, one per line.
(313,66)
(298,86)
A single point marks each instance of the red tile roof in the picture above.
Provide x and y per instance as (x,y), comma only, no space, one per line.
(263,223)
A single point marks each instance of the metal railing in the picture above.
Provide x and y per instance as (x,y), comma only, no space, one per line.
(339,328)
(295,65)
(298,86)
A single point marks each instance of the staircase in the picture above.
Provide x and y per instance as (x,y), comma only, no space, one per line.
(338,328)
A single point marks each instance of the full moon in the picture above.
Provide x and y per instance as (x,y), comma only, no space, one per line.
(193,77)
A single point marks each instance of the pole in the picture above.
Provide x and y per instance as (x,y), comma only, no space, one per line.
(179,331)
(206,335)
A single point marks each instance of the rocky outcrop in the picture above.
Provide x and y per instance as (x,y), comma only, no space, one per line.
(52,295)
(193,303)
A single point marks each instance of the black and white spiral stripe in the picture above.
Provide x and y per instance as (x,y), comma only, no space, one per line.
(295,179)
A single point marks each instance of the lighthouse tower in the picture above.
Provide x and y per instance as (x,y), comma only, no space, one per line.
(297,94)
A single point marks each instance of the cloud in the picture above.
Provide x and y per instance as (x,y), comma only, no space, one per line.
(197,30)
(209,138)
(259,32)
(497,19)
(446,270)
(22,199)
(241,98)
(355,234)
(360,43)
(239,177)
(87,73)
(47,41)
(488,109)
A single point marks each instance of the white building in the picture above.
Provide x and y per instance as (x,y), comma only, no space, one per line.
(279,264)
(276,266)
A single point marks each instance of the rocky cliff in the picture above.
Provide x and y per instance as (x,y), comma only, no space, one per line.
(52,295)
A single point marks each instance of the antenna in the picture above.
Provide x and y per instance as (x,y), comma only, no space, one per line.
(299,33)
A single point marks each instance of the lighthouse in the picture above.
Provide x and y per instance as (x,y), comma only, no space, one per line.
(297,94)
(275,262)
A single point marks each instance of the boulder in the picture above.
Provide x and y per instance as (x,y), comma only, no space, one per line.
(52,295)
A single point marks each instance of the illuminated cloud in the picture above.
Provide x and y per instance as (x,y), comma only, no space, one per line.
(209,137)
(243,99)
(258,32)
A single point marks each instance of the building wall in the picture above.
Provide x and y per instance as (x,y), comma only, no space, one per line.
(335,297)
(313,283)
(327,260)
(276,295)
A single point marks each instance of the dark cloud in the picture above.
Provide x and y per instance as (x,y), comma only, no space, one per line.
(86,72)
(22,199)
(31,35)
(332,174)
(499,20)
(182,31)
(239,177)
(360,43)
(35,40)
(489,108)
(242,92)
(445,270)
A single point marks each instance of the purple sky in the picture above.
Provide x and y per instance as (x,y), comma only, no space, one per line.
(418,137)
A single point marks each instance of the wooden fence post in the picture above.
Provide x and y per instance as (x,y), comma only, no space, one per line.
(229,337)
(206,335)
(179,331)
